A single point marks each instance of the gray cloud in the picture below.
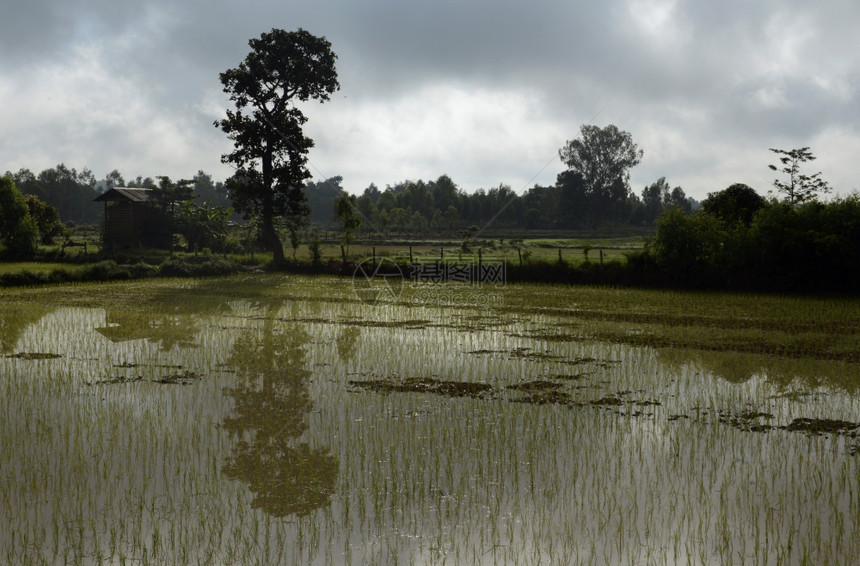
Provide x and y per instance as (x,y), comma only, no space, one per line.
(704,88)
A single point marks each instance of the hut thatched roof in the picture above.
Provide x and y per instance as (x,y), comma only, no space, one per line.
(128,194)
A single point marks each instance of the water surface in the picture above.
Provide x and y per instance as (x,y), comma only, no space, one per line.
(295,425)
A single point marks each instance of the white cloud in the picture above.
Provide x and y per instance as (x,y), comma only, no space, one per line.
(480,138)
(833,148)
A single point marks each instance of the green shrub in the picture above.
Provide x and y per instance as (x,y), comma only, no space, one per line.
(104,271)
(18,230)
(688,247)
(142,269)
(173,267)
(315,249)
(201,267)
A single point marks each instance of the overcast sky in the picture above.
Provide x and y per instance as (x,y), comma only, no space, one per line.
(484,91)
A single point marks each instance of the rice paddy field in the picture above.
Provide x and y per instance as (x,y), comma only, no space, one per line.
(292,420)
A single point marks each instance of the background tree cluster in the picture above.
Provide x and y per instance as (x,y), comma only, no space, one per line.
(439,207)
(593,192)
(741,240)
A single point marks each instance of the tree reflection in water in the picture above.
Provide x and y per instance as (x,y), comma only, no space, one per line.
(346,342)
(14,322)
(286,475)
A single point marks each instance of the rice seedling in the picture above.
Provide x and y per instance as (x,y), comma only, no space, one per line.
(279,420)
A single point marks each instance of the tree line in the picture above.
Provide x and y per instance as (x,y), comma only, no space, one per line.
(421,208)
(438,207)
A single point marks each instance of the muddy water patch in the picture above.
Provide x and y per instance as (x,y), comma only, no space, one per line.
(762,421)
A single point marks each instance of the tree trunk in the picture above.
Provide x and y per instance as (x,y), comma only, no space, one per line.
(270,235)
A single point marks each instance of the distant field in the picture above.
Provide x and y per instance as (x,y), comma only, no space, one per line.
(572,250)
(626,242)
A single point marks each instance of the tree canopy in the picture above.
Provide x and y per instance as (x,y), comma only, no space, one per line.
(737,203)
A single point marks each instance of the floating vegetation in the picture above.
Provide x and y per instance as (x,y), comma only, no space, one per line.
(184,378)
(406,324)
(130,365)
(34,356)
(116,380)
(427,385)
(608,401)
(545,397)
(535,386)
(523,353)
(541,392)
(751,421)
(820,426)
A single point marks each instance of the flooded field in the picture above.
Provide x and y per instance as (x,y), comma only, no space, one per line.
(279,420)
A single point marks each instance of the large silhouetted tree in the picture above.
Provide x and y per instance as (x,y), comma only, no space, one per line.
(270,149)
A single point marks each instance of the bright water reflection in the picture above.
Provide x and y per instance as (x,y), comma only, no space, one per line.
(275,430)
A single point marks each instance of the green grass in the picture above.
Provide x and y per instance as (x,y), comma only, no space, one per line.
(773,325)
(625,243)
(7,268)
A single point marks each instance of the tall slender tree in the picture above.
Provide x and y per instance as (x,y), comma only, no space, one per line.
(799,187)
(270,149)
